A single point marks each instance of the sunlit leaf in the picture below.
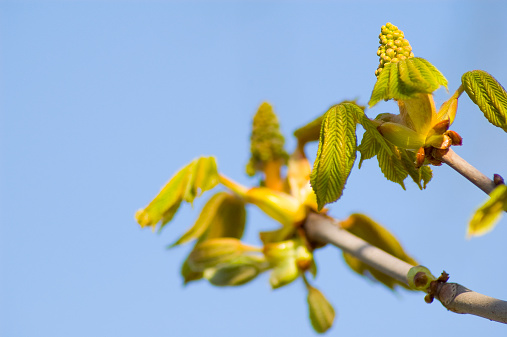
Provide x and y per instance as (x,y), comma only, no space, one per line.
(392,167)
(189,182)
(401,136)
(223,215)
(238,272)
(283,259)
(280,206)
(321,312)
(215,252)
(376,235)
(421,176)
(486,217)
(336,153)
(405,79)
(489,95)
(448,109)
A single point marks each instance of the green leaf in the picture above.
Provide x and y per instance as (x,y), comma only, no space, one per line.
(401,136)
(282,257)
(223,215)
(321,312)
(376,235)
(336,153)
(486,217)
(421,176)
(392,167)
(311,131)
(188,274)
(236,273)
(405,79)
(188,183)
(485,91)
(203,177)
(215,252)
(368,148)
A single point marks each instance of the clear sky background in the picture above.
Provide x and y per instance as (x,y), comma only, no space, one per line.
(101,102)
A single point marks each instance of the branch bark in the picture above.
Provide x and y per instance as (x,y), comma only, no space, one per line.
(453,296)
(468,171)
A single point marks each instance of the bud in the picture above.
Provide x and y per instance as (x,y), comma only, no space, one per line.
(393,46)
(420,278)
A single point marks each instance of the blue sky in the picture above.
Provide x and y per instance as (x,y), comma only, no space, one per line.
(101,102)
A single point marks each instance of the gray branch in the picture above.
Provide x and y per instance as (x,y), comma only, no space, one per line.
(468,171)
(453,296)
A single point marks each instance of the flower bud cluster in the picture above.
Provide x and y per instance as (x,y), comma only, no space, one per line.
(393,46)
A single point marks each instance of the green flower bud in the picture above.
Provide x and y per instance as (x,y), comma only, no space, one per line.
(393,45)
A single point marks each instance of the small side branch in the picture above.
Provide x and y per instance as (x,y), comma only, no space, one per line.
(468,171)
(453,296)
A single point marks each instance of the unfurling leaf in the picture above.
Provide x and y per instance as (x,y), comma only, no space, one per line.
(237,272)
(280,206)
(190,182)
(486,217)
(376,235)
(336,153)
(406,79)
(489,95)
(283,259)
(215,252)
(223,215)
(322,313)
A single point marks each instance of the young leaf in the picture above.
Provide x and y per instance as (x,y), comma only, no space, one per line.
(392,167)
(401,136)
(336,153)
(190,182)
(282,257)
(368,148)
(188,274)
(321,312)
(373,233)
(236,273)
(215,252)
(486,217)
(421,176)
(224,215)
(484,90)
(405,79)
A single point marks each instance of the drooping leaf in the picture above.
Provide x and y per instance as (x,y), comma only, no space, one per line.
(283,259)
(336,153)
(376,235)
(238,272)
(203,177)
(280,206)
(321,312)
(215,252)
(188,274)
(489,95)
(392,167)
(488,214)
(421,176)
(223,215)
(405,79)
(368,148)
(189,182)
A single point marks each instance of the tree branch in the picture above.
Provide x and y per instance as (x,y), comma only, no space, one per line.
(468,171)
(453,296)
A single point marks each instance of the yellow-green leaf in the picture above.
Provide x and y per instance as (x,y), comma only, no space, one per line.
(214,252)
(282,257)
(280,206)
(486,217)
(223,215)
(405,79)
(422,175)
(448,109)
(376,235)
(188,274)
(321,312)
(189,182)
(336,153)
(237,272)
(391,166)
(401,136)
(489,95)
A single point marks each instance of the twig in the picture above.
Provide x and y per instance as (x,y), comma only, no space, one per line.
(468,171)
(453,296)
